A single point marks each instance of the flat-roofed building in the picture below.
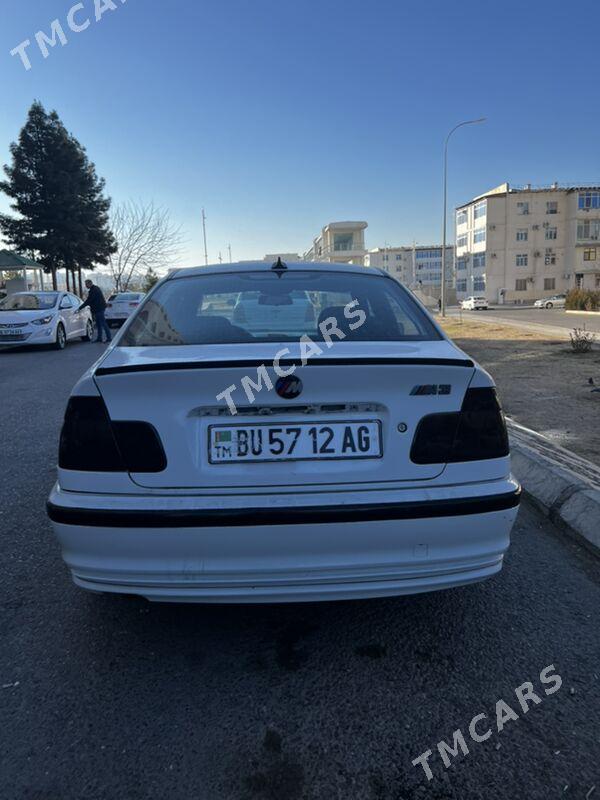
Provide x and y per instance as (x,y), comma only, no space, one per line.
(340,242)
(516,245)
(416,266)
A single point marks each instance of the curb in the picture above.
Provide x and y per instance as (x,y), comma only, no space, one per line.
(564,486)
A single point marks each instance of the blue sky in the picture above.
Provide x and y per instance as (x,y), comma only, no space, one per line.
(278,116)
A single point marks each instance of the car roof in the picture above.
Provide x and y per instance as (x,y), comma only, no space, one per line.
(266,266)
(34,291)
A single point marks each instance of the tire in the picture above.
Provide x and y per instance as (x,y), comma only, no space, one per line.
(89,332)
(549,305)
(61,338)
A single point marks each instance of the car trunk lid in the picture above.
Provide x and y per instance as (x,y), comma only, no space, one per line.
(176,389)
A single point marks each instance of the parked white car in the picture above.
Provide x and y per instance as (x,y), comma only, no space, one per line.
(287,313)
(556,301)
(474,304)
(46,318)
(120,306)
(361,454)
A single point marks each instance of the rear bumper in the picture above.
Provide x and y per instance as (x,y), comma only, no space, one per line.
(164,550)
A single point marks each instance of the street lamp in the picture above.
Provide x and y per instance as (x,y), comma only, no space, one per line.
(456,127)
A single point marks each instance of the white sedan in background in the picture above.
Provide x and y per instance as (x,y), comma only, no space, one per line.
(43,318)
(474,304)
(556,301)
(356,453)
(120,306)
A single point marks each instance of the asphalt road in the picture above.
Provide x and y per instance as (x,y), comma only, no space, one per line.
(114,698)
(555,317)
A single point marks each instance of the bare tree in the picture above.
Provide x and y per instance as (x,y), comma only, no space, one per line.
(146,239)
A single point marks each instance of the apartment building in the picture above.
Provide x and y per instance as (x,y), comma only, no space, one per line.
(419,266)
(515,245)
(340,242)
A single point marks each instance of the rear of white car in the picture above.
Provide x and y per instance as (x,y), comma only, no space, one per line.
(121,306)
(361,455)
(475,304)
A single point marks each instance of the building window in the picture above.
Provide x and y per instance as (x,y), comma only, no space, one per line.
(461,241)
(551,233)
(386,258)
(479,235)
(461,217)
(589,199)
(522,260)
(522,235)
(343,241)
(552,207)
(521,285)
(523,208)
(480,209)
(549,260)
(588,230)
(549,284)
(479,284)
(589,254)
(479,260)
(597,281)
(461,285)
(461,263)
(398,257)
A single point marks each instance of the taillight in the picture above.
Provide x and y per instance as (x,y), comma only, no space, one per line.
(90,441)
(475,433)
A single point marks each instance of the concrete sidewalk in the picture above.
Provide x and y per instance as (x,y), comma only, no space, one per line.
(563,485)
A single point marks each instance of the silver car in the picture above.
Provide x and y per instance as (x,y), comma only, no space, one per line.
(46,318)
(556,301)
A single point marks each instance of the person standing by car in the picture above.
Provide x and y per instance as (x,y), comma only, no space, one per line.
(97,305)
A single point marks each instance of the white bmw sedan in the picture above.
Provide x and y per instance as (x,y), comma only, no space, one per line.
(50,318)
(361,455)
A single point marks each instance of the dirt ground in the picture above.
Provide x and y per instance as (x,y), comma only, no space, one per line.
(542,383)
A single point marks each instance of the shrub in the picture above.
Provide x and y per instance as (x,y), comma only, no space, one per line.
(582,341)
(582,300)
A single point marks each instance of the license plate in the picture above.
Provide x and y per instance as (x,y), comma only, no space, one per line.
(294,441)
(9,332)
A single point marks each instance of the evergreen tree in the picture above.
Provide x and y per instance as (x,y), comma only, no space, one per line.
(62,213)
(150,279)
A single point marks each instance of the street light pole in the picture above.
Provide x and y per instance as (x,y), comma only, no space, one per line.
(456,127)
(204,233)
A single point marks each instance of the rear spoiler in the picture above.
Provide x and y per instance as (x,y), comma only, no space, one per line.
(168,366)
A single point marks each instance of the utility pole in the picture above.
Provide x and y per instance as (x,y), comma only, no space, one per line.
(220,258)
(230,258)
(443,287)
(204,231)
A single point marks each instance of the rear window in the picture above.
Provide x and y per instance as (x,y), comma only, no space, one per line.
(125,297)
(247,307)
